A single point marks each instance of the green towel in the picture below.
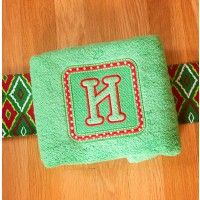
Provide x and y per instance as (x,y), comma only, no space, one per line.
(103,102)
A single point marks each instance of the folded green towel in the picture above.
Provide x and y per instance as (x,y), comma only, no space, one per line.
(103,102)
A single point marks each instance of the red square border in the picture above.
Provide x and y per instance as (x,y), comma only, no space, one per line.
(69,104)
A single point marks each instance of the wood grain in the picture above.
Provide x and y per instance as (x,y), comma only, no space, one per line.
(32,27)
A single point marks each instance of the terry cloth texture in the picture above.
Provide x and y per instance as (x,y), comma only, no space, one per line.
(184,82)
(103,102)
(185,87)
(17,106)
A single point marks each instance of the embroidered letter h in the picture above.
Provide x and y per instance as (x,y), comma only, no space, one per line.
(94,99)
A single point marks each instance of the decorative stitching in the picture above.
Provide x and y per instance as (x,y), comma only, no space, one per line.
(106,134)
(107,96)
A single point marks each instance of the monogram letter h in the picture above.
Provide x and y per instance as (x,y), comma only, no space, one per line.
(94,99)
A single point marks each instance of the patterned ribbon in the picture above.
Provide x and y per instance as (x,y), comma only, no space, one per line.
(185,88)
(18,111)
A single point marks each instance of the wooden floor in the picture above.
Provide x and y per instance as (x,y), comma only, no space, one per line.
(31,27)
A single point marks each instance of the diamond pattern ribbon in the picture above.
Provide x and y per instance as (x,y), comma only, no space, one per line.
(185,88)
(18,111)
